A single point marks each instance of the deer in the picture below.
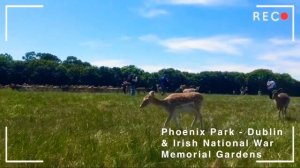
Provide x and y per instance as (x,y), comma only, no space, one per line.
(176,103)
(282,101)
(197,89)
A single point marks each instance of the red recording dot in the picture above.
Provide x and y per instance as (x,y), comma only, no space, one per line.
(284,16)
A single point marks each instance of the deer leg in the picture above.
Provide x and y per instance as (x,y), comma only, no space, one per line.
(284,112)
(194,121)
(175,117)
(198,117)
(201,121)
(171,113)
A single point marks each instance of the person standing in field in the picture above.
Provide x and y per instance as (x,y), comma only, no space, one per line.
(125,85)
(163,82)
(132,79)
(271,85)
(242,90)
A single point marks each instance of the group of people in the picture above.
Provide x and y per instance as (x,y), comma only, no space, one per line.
(271,86)
(163,85)
(131,82)
(244,90)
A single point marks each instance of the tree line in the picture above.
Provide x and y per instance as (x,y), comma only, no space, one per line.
(48,69)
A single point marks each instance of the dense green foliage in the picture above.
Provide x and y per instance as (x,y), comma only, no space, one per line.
(44,68)
(109,130)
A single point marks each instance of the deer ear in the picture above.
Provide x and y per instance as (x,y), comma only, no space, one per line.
(151,93)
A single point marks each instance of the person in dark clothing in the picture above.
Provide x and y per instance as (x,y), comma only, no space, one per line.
(125,85)
(132,79)
(164,83)
(246,90)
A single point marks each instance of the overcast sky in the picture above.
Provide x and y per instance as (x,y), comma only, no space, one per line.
(189,35)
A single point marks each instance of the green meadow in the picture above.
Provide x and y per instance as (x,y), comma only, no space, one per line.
(110,130)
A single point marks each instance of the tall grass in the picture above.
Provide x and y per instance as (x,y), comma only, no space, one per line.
(109,130)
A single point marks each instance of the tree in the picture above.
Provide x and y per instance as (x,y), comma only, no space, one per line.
(6,63)
(176,78)
(48,57)
(42,72)
(72,60)
(45,68)
(91,76)
(29,56)
(19,73)
(257,80)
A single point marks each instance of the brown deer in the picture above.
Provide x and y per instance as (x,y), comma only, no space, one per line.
(176,103)
(282,101)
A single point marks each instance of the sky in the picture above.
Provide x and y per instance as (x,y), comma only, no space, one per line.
(189,35)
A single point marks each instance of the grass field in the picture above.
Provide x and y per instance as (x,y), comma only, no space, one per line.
(109,130)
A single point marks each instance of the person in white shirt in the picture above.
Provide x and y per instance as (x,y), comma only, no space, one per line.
(271,85)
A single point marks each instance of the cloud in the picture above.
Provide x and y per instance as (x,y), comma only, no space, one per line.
(156,68)
(228,45)
(278,55)
(287,66)
(283,53)
(125,38)
(149,38)
(151,10)
(153,68)
(218,44)
(152,13)
(198,2)
(93,44)
(233,68)
(282,42)
(110,63)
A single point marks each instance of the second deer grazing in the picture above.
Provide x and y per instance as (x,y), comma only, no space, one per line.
(197,89)
(176,103)
(282,101)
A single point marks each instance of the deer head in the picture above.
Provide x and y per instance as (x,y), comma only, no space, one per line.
(147,99)
(276,92)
